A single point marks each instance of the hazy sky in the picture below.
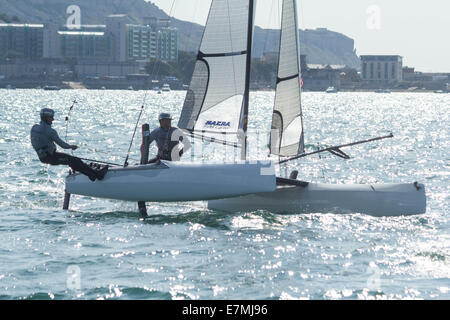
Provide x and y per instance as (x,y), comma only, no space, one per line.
(416,30)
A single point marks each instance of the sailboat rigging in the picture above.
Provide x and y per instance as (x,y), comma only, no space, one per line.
(336,150)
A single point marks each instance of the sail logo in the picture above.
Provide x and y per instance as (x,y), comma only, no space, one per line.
(218,124)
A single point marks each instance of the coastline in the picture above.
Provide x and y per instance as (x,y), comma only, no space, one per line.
(57,85)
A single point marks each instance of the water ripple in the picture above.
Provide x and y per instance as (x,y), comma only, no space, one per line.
(185,251)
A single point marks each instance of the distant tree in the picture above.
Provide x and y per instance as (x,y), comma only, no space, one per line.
(263,71)
(158,68)
(5,18)
(182,69)
(186,65)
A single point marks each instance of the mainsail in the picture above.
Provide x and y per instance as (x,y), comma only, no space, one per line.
(216,103)
(287,124)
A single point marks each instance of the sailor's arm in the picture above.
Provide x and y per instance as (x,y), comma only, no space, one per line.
(55,137)
(153,135)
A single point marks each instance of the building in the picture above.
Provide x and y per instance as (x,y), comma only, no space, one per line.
(94,70)
(144,42)
(116,49)
(117,41)
(141,42)
(318,77)
(156,23)
(155,39)
(167,44)
(26,69)
(382,69)
(408,74)
(21,41)
(116,28)
(89,42)
(50,41)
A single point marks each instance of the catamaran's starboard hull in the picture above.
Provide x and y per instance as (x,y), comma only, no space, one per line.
(376,200)
(176,181)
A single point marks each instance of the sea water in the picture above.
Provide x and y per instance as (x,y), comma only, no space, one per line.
(99,249)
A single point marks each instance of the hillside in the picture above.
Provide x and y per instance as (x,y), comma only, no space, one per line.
(321,46)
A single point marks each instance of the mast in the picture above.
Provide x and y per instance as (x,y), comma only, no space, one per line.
(251,11)
(297,43)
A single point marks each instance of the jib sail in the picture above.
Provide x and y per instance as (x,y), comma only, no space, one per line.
(287,123)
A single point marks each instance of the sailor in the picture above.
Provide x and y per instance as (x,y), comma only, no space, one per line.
(167,138)
(43,139)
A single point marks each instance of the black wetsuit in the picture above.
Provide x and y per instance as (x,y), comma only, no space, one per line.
(43,139)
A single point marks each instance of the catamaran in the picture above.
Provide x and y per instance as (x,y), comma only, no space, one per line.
(219,90)
(216,110)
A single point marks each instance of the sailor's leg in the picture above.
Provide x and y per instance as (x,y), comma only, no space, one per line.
(154,160)
(76,164)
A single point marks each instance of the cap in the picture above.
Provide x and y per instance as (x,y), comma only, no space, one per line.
(46,112)
(165,116)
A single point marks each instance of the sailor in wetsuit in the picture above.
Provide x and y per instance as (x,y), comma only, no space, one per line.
(167,138)
(43,139)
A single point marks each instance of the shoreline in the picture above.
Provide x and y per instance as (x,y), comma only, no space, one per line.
(262,90)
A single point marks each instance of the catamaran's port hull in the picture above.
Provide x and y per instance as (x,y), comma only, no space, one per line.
(177,181)
(375,199)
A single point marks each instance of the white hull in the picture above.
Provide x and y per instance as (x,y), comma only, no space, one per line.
(376,200)
(177,181)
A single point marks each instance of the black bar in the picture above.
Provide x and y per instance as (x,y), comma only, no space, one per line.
(335,147)
(247,77)
(145,143)
(291,182)
(216,55)
(66,201)
(287,78)
(144,160)
(339,153)
(208,139)
(103,162)
(210,131)
(243,309)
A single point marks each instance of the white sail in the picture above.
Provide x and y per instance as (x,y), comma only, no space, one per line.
(218,93)
(287,123)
